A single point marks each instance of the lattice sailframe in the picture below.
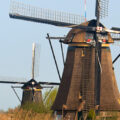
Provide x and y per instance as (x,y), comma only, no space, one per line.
(103,8)
(27,12)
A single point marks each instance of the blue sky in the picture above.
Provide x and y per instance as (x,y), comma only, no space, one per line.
(17,36)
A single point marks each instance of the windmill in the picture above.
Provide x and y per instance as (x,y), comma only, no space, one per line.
(32,88)
(88,80)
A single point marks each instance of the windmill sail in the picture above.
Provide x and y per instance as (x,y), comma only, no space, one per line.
(26,12)
(12,80)
(36,60)
(33,59)
(103,8)
(115,36)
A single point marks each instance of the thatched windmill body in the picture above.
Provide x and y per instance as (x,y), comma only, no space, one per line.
(88,80)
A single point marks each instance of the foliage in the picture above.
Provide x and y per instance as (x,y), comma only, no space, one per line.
(91,115)
(50,97)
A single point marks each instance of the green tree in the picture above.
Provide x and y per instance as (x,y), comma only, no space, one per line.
(50,97)
(91,115)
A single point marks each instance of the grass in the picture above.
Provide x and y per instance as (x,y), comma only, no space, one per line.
(30,115)
(21,114)
(37,108)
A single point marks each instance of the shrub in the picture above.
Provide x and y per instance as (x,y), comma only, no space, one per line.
(91,115)
(50,97)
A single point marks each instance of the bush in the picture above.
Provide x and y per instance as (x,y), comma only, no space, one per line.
(50,98)
(91,115)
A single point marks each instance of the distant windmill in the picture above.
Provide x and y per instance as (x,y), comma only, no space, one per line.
(88,80)
(32,88)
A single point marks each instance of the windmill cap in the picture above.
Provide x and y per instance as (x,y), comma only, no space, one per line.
(79,35)
(32,83)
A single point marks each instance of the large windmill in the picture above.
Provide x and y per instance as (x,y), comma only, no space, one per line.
(88,80)
(31,89)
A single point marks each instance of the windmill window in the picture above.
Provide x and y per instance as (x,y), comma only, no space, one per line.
(103,38)
(89,36)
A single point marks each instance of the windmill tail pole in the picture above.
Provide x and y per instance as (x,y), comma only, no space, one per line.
(54,57)
(62,53)
(116,59)
(16,93)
